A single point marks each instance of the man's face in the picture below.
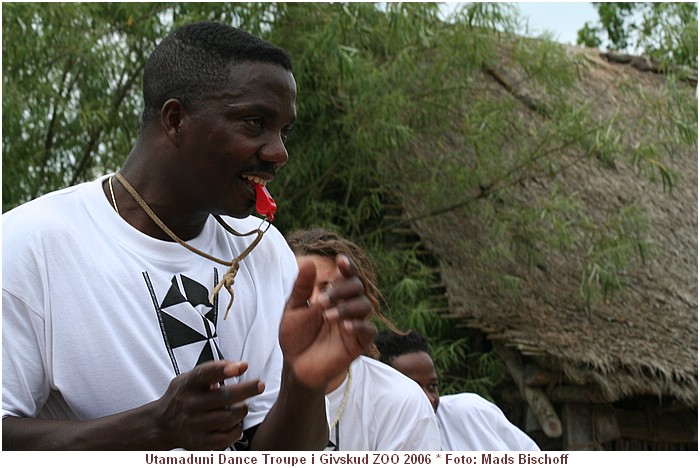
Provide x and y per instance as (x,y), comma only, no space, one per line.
(420,368)
(236,137)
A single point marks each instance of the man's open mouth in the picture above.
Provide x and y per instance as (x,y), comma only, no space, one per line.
(255,179)
(264,203)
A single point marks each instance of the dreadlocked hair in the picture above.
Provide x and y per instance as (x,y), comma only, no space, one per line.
(325,243)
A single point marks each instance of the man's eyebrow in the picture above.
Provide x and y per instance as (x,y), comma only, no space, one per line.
(267,111)
(254,107)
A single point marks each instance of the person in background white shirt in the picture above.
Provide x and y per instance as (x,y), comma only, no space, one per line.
(371,406)
(466,420)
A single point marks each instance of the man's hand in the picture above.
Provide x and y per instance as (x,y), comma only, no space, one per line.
(195,413)
(320,339)
(198,413)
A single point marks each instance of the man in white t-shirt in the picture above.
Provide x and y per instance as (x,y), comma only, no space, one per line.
(466,420)
(116,292)
(371,406)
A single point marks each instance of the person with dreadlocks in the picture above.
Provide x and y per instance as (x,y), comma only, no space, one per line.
(372,406)
(467,421)
(116,291)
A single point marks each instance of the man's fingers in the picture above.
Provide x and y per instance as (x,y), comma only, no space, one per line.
(304,284)
(347,289)
(357,334)
(214,372)
(357,308)
(364,331)
(231,394)
(220,419)
(228,396)
(346,266)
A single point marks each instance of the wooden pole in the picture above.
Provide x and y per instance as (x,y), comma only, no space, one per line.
(537,400)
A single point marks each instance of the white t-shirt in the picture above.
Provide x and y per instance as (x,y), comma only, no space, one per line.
(469,422)
(385,410)
(98,318)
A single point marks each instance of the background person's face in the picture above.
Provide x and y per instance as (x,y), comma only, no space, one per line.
(420,368)
(327,272)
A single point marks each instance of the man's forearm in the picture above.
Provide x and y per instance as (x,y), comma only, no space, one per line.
(297,421)
(131,430)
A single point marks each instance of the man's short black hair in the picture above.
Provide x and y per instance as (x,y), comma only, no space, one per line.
(194,60)
(392,345)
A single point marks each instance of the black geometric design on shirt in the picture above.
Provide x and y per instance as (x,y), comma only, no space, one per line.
(331,446)
(194,293)
(188,322)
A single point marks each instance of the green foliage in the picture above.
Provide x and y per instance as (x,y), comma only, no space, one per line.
(406,281)
(665,31)
(622,236)
(485,371)
(70,102)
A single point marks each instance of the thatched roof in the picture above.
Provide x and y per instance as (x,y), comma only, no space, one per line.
(642,341)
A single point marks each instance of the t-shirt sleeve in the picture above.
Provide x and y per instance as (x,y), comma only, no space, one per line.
(417,428)
(25,386)
(470,422)
(409,422)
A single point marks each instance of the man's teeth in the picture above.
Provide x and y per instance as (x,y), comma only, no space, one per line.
(256,180)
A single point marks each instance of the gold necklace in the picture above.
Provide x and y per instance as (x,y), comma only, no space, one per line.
(346,394)
(230,275)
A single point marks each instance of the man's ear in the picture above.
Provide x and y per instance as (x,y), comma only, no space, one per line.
(172,115)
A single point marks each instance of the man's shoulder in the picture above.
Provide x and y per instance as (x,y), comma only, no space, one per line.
(471,400)
(49,211)
(469,403)
(486,426)
(386,379)
(374,366)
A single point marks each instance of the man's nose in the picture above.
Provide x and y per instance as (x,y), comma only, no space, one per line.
(275,151)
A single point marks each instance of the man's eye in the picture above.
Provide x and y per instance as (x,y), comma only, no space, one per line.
(285,134)
(257,123)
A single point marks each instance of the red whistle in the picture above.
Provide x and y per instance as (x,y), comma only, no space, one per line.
(264,204)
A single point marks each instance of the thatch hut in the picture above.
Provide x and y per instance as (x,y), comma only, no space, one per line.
(615,374)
